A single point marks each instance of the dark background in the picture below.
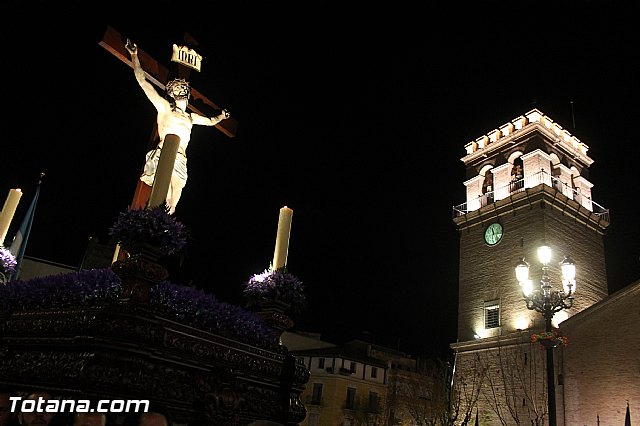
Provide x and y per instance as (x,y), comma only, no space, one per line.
(354,118)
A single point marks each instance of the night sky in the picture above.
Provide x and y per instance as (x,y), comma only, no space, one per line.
(355,119)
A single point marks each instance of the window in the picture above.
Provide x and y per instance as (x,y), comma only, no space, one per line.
(373,401)
(517,175)
(487,183)
(487,188)
(374,372)
(353,366)
(320,362)
(491,314)
(351,399)
(316,396)
(314,419)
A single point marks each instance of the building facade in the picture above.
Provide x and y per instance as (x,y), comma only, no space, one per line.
(362,384)
(601,366)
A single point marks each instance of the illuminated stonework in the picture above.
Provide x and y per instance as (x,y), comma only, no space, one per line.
(528,151)
(534,118)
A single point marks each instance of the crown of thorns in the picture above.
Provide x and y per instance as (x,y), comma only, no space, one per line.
(181,83)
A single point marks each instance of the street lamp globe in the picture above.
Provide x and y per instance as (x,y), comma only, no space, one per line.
(544,254)
(522,271)
(568,275)
(522,275)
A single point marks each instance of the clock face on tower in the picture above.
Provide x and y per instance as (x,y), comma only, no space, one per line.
(493,234)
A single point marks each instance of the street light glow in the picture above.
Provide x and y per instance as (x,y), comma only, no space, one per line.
(544,254)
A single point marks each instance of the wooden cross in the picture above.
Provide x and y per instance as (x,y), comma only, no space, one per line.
(158,75)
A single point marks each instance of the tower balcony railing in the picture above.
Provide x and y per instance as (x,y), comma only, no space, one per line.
(530,181)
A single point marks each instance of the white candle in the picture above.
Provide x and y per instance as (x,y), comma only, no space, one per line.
(9,209)
(282,238)
(164,170)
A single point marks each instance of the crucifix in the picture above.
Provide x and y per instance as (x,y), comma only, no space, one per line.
(175,118)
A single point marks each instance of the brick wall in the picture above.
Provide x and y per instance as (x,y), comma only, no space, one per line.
(601,365)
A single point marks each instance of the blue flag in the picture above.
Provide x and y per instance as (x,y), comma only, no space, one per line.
(19,243)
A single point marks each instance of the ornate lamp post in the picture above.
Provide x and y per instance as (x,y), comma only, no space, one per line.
(548,302)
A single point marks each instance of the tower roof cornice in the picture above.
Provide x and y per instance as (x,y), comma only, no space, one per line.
(514,130)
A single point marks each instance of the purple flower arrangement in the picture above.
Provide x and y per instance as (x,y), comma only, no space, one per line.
(7,261)
(277,285)
(153,226)
(82,288)
(198,309)
(95,287)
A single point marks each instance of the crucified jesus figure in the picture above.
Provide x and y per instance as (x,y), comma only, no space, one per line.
(172,118)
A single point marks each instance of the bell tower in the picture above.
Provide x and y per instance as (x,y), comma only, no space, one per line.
(527,185)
